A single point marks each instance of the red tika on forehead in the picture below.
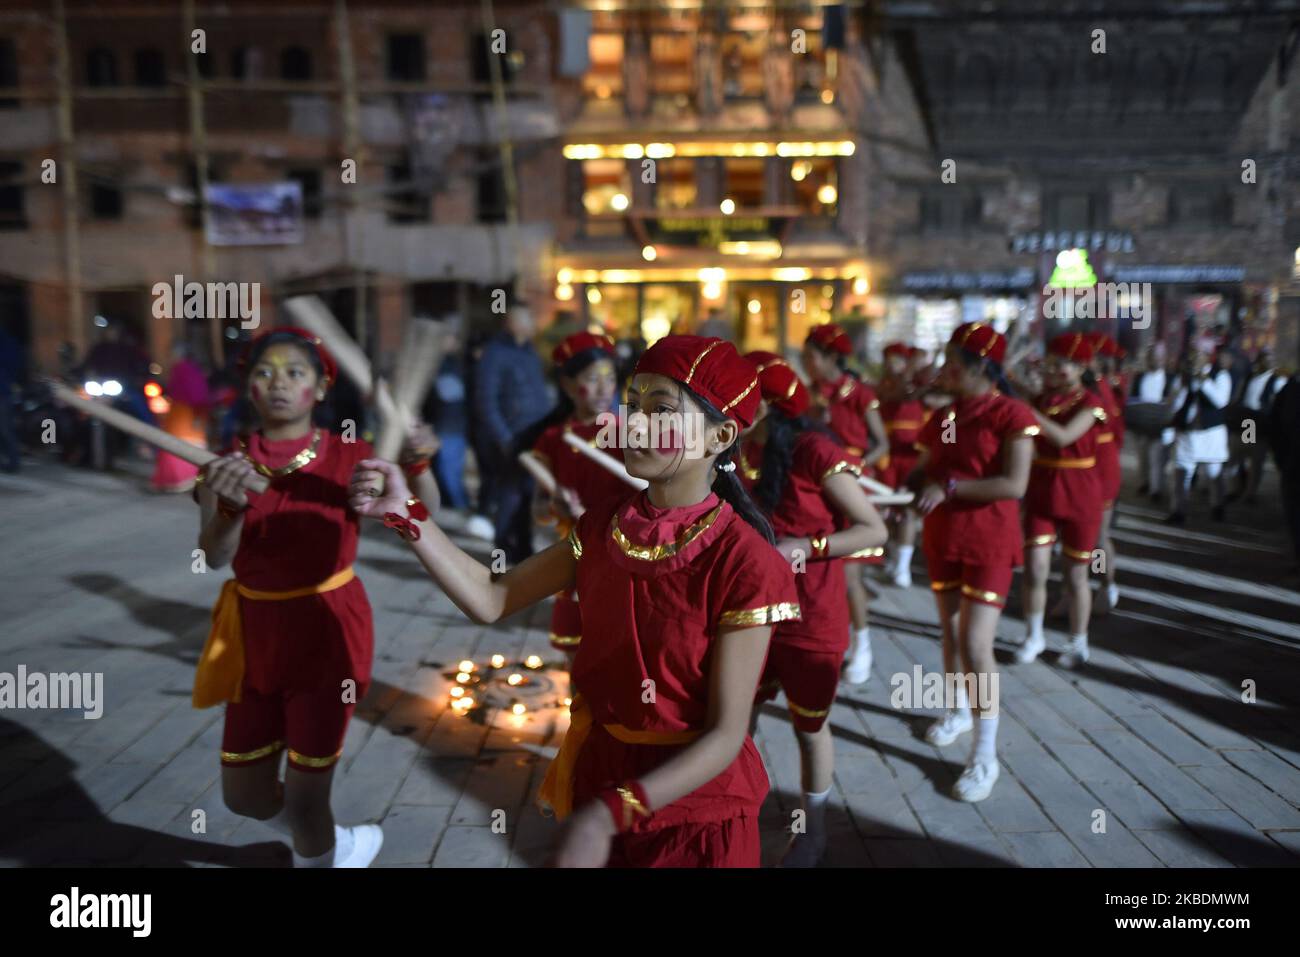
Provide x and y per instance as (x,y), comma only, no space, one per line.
(309,339)
(711,368)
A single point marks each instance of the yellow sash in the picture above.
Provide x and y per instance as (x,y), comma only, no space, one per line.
(557,788)
(1066,463)
(220,673)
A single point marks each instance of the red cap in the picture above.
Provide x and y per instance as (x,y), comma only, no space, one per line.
(979,339)
(779,384)
(579,342)
(1073,346)
(831,338)
(713,370)
(915,352)
(900,349)
(1110,348)
(309,338)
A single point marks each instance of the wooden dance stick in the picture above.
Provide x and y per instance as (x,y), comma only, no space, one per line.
(893,498)
(310,313)
(417,364)
(540,473)
(186,451)
(871,485)
(605,461)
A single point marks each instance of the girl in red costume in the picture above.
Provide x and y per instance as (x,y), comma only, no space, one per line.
(680,588)
(584,363)
(292,638)
(903,415)
(1064,496)
(808,487)
(973,469)
(852,411)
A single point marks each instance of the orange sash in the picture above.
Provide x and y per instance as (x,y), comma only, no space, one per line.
(556,792)
(220,673)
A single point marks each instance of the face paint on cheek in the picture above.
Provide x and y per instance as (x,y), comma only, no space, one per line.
(308,394)
(257,391)
(670,440)
(584,392)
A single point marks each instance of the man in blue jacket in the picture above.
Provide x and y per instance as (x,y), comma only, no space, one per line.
(510,395)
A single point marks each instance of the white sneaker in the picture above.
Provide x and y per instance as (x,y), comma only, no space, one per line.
(1112,595)
(858,670)
(949,728)
(480,527)
(903,577)
(804,850)
(1075,655)
(1029,651)
(976,782)
(367,839)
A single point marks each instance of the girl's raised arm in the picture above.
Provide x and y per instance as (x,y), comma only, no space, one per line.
(482,595)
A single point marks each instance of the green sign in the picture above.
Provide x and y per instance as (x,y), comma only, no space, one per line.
(1073,271)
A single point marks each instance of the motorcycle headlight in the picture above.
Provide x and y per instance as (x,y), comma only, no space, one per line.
(93,388)
(112,387)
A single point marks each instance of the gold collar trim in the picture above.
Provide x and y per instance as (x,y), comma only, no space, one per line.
(295,463)
(654,553)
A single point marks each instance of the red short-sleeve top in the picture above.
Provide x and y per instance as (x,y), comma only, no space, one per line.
(1066,480)
(972,447)
(593,484)
(848,401)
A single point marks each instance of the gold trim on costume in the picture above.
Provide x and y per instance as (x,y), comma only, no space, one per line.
(1106,437)
(875,404)
(846,389)
(306,762)
(945,586)
(1038,541)
(794,387)
(245,757)
(748,470)
(895,425)
(839,467)
(565,640)
(805,712)
(727,408)
(631,806)
(767,615)
(295,463)
(1028,431)
(1071,400)
(1067,463)
(698,359)
(1077,555)
(992,597)
(575,542)
(654,553)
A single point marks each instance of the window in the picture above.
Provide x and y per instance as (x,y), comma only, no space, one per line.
(204,62)
(672,65)
(744,181)
(434,299)
(309,179)
(105,201)
(810,69)
(101,68)
(1074,210)
(815,184)
(948,209)
(1199,205)
(407,202)
(8,71)
(606,186)
(742,65)
(481,60)
(604,78)
(12,210)
(295,64)
(150,68)
(675,186)
(491,191)
(246,63)
(405,57)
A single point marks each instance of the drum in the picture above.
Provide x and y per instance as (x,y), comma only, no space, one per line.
(1148,418)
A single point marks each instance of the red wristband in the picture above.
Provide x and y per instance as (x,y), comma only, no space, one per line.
(404,526)
(416,468)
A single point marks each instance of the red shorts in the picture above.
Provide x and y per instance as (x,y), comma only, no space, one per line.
(566,623)
(809,680)
(311,724)
(1078,537)
(732,842)
(987,584)
(899,468)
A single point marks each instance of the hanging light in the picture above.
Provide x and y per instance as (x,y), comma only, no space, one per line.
(649,253)
(827,194)
(728,206)
(754,307)
(619,202)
